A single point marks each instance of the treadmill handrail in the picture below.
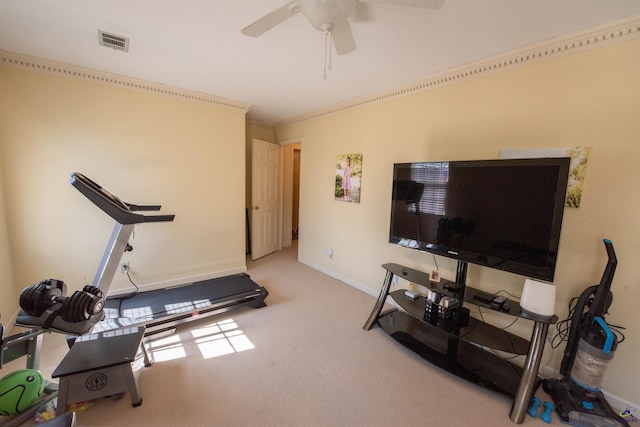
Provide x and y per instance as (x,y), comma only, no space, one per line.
(113,206)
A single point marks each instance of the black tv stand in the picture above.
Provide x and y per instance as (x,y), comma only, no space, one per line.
(458,345)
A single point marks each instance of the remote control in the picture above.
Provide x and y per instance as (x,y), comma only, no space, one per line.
(484,297)
(497,302)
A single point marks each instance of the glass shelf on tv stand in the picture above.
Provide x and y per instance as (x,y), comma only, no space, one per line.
(461,349)
(471,295)
(475,331)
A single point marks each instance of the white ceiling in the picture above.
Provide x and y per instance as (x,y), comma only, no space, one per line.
(197,44)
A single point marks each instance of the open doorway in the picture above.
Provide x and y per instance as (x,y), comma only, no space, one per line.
(291,161)
(296,194)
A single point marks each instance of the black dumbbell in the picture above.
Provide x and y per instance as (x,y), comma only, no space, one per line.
(82,304)
(36,299)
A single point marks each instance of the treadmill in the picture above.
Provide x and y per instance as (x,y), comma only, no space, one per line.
(158,310)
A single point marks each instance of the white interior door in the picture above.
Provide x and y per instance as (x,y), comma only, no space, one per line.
(265,198)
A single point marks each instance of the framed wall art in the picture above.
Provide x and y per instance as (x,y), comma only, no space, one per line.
(348,178)
(577,171)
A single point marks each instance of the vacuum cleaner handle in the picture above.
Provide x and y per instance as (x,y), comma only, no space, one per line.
(601,301)
(608,244)
(599,304)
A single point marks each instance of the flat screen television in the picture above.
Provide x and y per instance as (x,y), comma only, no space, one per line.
(503,214)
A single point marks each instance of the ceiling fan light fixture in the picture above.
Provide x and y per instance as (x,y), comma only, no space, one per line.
(329,16)
(326,27)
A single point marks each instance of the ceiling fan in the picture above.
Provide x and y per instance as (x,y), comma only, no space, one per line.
(328,16)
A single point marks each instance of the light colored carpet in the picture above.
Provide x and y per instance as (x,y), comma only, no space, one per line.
(304,360)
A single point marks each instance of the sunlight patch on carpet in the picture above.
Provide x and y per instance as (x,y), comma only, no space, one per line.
(169,348)
(212,340)
(218,339)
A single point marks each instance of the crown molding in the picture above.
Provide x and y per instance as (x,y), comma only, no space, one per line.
(257,124)
(65,70)
(595,38)
(606,35)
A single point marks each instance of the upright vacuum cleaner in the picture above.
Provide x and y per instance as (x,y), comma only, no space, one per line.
(590,346)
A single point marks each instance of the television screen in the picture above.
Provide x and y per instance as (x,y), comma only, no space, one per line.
(503,214)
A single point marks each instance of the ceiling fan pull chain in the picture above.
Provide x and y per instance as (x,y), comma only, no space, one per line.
(327,52)
(327,64)
(330,48)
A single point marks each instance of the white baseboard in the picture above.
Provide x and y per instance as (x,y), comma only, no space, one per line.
(341,278)
(621,404)
(616,402)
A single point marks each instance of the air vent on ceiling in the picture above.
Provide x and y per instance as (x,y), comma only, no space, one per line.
(113,41)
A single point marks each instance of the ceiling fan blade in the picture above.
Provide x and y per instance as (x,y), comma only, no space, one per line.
(271,19)
(361,13)
(343,37)
(427,4)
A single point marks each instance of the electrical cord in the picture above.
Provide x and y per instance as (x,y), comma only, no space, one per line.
(480,313)
(508,293)
(563,327)
(133,293)
(510,324)
(504,328)
(616,330)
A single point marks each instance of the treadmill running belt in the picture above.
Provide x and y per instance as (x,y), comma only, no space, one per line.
(193,297)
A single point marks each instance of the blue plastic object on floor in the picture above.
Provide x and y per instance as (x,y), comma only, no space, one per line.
(548,410)
(533,406)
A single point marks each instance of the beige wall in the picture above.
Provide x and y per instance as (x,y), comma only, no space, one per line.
(8,292)
(186,155)
(590,98)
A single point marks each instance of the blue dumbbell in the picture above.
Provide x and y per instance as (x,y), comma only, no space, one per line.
(533,406)
(546,415)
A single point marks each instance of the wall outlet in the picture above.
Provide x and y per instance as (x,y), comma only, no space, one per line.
(124,267)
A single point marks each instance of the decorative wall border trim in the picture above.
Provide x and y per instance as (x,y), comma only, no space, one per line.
(602,36)
(36,64)
(628,29)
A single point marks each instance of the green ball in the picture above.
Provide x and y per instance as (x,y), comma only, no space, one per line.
(19,390)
